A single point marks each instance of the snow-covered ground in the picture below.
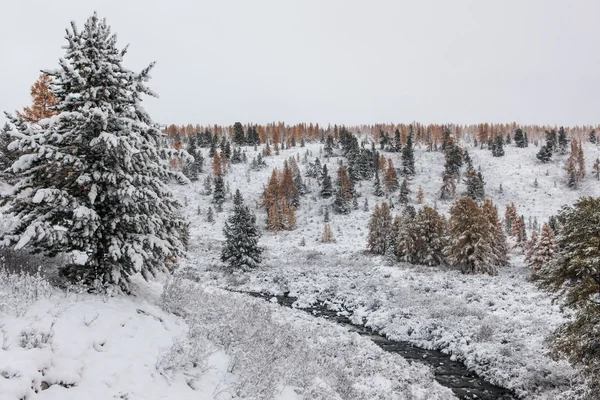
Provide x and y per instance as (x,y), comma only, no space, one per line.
(495,324)
(197,341)
(188,343)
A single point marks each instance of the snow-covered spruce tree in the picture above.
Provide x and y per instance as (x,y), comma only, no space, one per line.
(496,236)
(241,250)
(431,237)
(544,251)
(377,189)
(469,247)
(448,189)
(520,138)
(592,136)
(238,134)
(408,156)
(92,178)
(574,275)
(7,157)
(562,141)
(380,230)
(475,185)
(326,187)
(498,146)
(596,169)
(404,191)
(219,192)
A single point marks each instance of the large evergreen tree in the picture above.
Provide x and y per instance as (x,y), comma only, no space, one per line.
(326,187)
(408,156)
(562,141)
(93,177)
(520,138)
(238,134)
(574,275)
(431,238)
(380,230)
(469,247)
(241,250)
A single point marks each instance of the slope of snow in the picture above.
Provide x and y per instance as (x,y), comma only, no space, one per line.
(71,345)
(497,325)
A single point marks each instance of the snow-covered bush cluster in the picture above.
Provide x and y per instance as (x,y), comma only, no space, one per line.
(271,348)
(19,290)
(496,325)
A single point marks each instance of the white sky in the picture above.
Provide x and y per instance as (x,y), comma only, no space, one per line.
(529,61)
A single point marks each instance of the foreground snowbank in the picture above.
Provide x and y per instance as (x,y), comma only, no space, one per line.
(70,345)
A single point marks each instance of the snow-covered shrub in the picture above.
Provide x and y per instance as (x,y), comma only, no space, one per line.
(19,290)
(269,349)
(187,355)
(32,338)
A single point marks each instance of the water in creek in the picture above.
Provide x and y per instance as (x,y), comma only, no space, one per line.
(453,374)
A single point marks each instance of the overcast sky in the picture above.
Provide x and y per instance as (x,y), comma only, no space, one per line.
(333,61)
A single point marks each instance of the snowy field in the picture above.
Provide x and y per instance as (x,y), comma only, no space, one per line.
(192,340)
(187,343)
(495,324)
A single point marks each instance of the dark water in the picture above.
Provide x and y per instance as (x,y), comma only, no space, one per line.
(453,374)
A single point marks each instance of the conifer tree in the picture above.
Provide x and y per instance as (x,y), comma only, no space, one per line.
(420,195)
(329,146)
(238,134)
(496,237)
(377,189)
(7,157)
(208,185)
(448,189)
(408,156)
(431,238)
(44,102)
(545,153)
(520,138)
(580,162)
(391,178)
(454,159)
(210,216)
(544,251)
(475,185)
(530,247)
(287,187)
(562,141)
(326,187)
(510,218)
(498,146)
(274,218)
(596,169)
(572,176)
(94,177)
(216,164)
(219,192)
(519,231)
(380,230)
(592,136)
(404,192)
(574,275)
(397,147)
(405,236)
(327,234)
(469,247)
(272,192)
(241,250)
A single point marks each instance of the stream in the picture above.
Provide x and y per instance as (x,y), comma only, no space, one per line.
(453,374)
